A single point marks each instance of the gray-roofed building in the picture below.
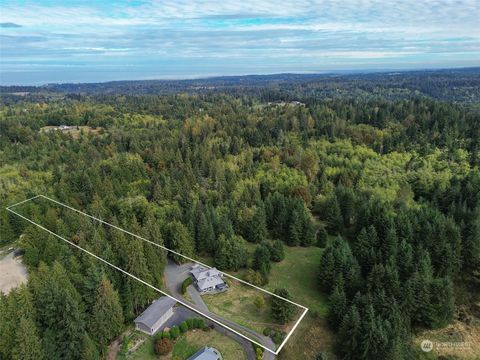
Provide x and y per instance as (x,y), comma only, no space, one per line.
(155,315)
(207,279)
(206,353)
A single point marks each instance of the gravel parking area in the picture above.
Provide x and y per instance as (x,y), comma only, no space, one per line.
(12,273)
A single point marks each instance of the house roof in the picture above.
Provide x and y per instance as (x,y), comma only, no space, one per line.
(209,282)
(205,353)
(155,311)
(201,272)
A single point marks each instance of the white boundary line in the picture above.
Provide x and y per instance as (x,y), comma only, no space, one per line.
(305,309)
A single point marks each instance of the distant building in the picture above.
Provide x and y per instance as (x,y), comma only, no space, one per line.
(206,353)
(155,315)
(207,280)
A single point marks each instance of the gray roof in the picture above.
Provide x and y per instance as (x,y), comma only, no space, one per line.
(209,282)
(155,311)
(205,353)
(200,272)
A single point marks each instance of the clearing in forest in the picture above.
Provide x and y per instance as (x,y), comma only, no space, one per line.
(231,309)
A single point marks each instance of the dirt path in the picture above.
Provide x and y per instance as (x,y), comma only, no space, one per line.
(114,347)
(12,273)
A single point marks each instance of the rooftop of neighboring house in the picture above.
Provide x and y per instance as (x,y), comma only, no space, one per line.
(206,353)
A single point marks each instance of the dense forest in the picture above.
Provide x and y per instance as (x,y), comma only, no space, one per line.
(389,187)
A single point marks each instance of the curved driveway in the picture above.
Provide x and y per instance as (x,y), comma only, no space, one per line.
(174,276)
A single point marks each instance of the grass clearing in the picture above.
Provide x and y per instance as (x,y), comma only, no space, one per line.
(457,340)
(188,344)
(298,274)
(311,336)
(74,131)
(144,351)
(237,304)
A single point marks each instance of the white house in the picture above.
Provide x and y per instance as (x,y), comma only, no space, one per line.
(155,315)
(206,279)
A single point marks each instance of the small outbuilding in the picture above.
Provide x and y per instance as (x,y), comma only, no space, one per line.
(151,320)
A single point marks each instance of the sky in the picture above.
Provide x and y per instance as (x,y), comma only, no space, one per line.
(48,41)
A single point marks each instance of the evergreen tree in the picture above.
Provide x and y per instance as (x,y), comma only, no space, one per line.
(322,237)
(443,304)
(471,246)
(332,214)
(277,252)
(261,260)
(295,229)
(308,233)
(27,343)
(231,253)
(60,313)
(348,338)
(338,306)
(257,230)
(178,238)
(107,316)
(374,342)
(282,310)
(6,232)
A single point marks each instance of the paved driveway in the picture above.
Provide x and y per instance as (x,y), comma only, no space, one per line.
(196,297)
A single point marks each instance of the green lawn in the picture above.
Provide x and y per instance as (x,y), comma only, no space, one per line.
(237,304)
(144,352)
(188,344)
(298,274)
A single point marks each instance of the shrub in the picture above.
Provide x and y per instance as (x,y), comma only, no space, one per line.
(277,337)
(259,302)
(267,331)
(124,348)
(163,346)
(183,327)
(191,323)
(166,335)
(186,283)
(259,353)
(174,332)
(200,323)
(195,323)
(158,336)
(254,277)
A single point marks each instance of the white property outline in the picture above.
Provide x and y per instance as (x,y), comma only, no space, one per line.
(305,309)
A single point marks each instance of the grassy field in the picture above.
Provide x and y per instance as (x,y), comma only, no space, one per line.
(75,131)
(191,342)
(297,273)
(237,304)
(144,352)
(311,336)
(188,344)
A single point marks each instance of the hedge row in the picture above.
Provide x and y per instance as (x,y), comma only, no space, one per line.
(186,283)
(175,331)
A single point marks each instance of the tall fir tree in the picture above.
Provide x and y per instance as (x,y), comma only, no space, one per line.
(107,316)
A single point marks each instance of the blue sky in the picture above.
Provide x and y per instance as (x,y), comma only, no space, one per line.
(90,41)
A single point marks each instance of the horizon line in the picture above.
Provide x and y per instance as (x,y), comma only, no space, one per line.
(174,78)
